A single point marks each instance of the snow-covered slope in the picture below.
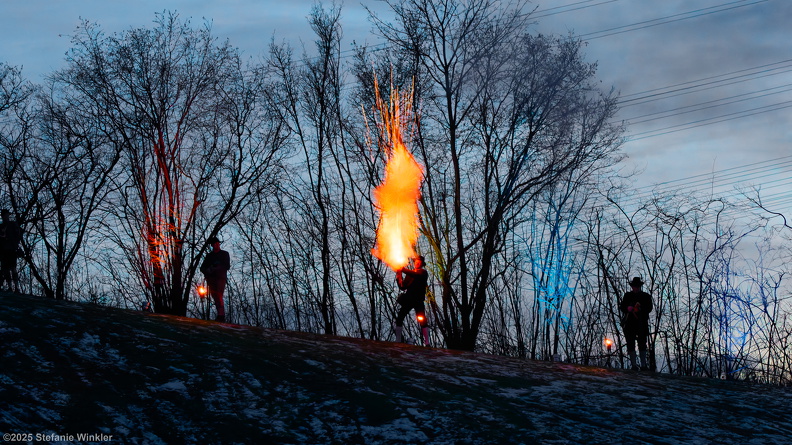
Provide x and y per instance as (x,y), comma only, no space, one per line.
(70,369)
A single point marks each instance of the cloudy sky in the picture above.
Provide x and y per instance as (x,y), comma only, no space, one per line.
(705,85)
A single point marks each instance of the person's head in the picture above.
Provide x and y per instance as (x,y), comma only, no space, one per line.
(636,283)
(419,262)
(214,242)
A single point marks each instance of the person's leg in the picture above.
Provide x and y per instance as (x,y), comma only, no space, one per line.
(629,335)
(13,269)
(216,290)
(5,270)
(420,315)
(403,312)
(642,337)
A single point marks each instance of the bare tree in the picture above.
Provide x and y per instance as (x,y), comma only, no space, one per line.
(329,197)
(17,131)
(505,115)
(17,126)
(310,98)
(196,136)
(69,166)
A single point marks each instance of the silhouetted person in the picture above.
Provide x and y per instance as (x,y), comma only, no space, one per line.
(413,284)
(635,308)
(10,236)
(215,269)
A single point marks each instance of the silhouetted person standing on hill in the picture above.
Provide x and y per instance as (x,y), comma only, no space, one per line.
(10,236)
(215,269)
(635,308)
(413,287)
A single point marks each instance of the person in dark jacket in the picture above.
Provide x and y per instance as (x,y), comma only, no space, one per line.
(412,283)
(215,269)
(10,236)
(635,308)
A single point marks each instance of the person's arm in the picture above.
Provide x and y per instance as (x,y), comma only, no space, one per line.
(415,276)
(17,237)
(623,305)
(413,273)
(205,264)
(226,263)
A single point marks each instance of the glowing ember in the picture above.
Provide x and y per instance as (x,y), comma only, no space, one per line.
(201,291)
(397,197)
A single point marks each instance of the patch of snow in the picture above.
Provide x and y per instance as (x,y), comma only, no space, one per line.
(175,385)
(401,430)
(319,365)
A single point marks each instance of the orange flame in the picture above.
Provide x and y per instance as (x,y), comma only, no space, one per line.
(397,196)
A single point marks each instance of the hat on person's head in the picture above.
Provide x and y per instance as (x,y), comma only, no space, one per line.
(212,240)
(636,281)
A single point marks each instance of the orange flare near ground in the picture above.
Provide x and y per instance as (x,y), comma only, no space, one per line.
(397,196)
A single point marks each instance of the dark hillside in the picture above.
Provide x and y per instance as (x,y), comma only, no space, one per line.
(70,369)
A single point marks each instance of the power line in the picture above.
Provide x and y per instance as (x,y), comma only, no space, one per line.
(756,168)
(711,104)
(718,186)
(703,86)
(732,210)
(709,121)
(539,11)
(760,67)
(736,176)
(698,184)
(782,161)
(669,19)
(716,180)
(698,85)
